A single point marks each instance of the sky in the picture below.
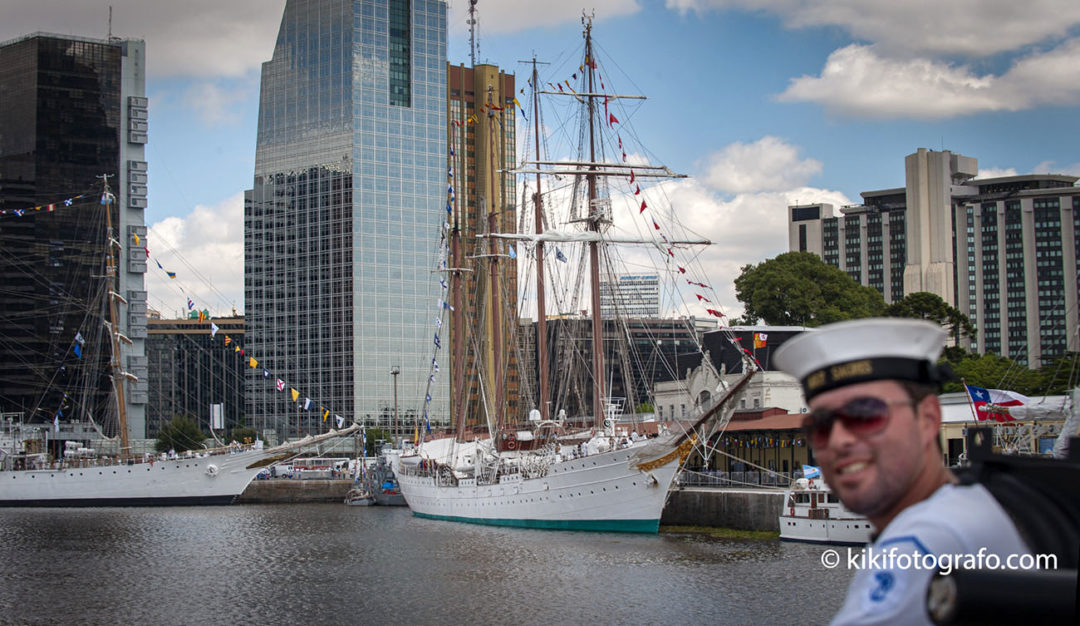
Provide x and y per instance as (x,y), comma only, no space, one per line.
(761,103)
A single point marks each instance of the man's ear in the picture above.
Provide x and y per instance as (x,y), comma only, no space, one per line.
(929,413)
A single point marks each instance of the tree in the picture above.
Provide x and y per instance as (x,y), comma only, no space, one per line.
(1060,376)
(243,435)
(924,305)
(180,434)
(373,439)
(799,289)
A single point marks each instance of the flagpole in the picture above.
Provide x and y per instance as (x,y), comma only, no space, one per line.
(971,405)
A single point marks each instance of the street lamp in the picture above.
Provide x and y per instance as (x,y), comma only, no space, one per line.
(394,371)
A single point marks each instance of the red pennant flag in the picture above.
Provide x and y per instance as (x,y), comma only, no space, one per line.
(657,227)
(643,207)
(631,177)
(624,156)
(714,312)
(612,119)
(637,190)
(670,253)
(619,137)
(701,297)
(682,270)
(574,76)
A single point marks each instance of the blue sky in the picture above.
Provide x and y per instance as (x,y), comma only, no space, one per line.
(762,102)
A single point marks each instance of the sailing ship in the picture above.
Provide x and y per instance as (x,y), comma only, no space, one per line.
(31,475)
(553,472)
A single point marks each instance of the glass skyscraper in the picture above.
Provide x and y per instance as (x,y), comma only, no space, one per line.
(344,220)
(71,110)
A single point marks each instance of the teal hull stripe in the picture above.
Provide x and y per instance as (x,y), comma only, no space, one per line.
(651,526)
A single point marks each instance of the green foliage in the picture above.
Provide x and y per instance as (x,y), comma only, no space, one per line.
(180,434)
(799,289)
(372,440)
(243,435)
(927,306)
(644,407)
(993,371)
(1061,375)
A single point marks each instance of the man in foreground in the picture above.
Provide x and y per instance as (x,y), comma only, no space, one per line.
(871,386)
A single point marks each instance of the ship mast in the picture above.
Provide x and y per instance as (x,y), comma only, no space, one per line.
(541,310)
(112,277)
(595,215)
(494,267)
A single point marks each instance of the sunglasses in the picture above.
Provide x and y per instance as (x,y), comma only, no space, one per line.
(860,416)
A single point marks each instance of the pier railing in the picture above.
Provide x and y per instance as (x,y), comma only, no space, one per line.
(717,478)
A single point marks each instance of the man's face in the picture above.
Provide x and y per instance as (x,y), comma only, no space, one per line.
(871,473)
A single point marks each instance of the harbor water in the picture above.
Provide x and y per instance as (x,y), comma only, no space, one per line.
(332,564)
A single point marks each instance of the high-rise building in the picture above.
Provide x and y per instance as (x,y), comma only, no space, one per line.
(343,223)
(191,369)
(71,110)
(480,107)
(631,295)
(1001,250)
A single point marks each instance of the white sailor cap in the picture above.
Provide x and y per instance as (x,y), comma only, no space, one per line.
(858,351)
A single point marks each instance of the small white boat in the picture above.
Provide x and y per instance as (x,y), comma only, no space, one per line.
(359,497)
(812,513)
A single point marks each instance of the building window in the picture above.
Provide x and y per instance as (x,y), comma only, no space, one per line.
(400,53)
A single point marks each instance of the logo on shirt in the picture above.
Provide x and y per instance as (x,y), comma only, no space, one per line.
(885,581)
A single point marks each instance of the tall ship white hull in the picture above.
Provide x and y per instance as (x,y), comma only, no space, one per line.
(215,476)
(212,479)
(609,491)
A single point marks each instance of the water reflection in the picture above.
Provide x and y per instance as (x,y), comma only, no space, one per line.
(324,564)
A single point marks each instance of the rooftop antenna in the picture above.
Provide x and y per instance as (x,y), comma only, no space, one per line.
(472,31)
(111,38)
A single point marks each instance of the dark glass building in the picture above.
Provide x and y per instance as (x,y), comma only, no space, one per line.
(343,223)
(71,111)
(192,368)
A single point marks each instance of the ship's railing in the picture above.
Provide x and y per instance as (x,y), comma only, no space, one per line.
(80,462)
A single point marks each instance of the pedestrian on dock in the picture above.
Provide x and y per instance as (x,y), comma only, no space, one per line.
(874,423)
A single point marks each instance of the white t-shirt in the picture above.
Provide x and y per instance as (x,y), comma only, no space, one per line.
(957,523)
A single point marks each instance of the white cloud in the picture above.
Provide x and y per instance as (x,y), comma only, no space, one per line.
(995,172)
(189,38)
(768,164)
(507,16)
(974,28)
(206,251)
(1050,167)
(857,81)
(747,228)
(215,104)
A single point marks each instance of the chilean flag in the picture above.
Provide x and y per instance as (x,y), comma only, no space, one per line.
(981,397)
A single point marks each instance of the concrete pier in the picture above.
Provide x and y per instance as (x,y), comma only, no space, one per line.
(741,509)
(291,491)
